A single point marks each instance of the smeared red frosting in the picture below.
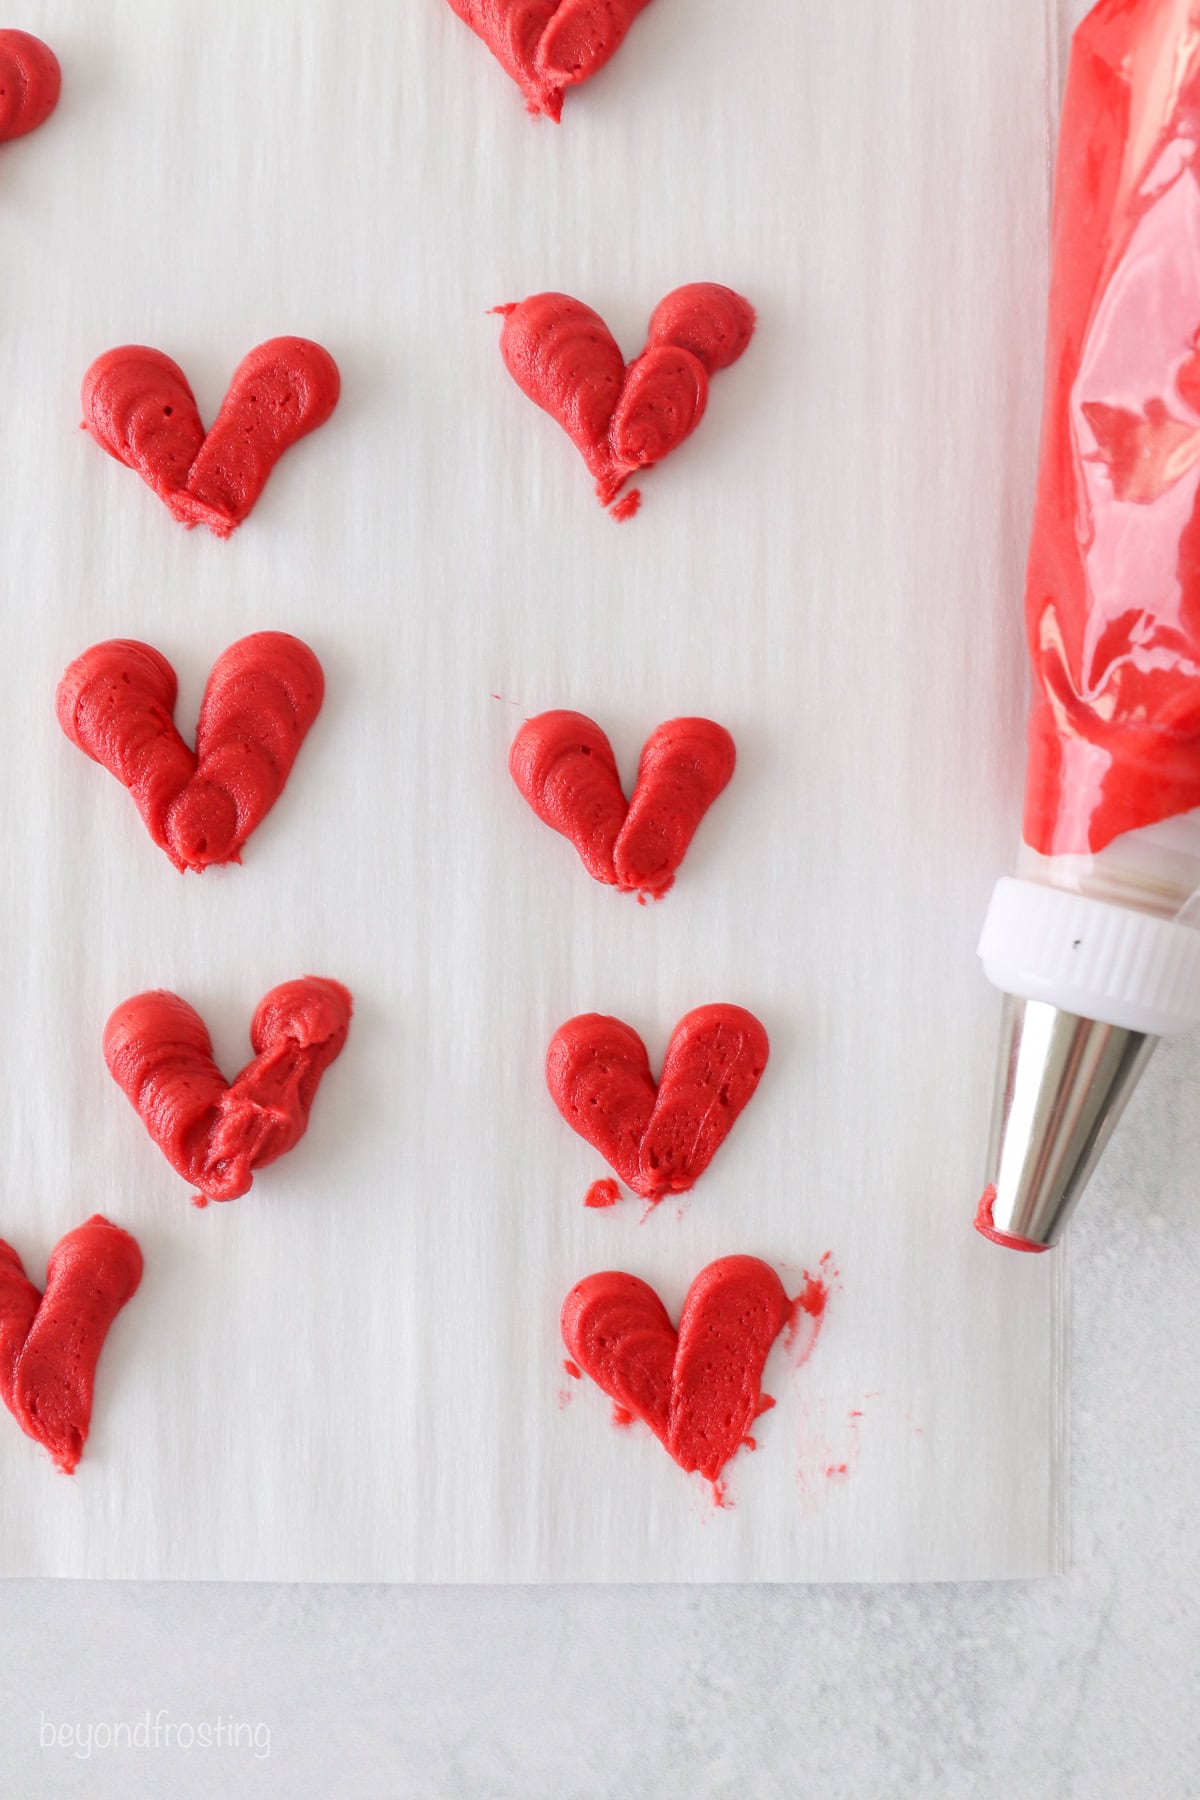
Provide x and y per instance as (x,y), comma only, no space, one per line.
(138,406)
(216,1133)
(1113,589)
(116,703)
(30,81)
(50,1343)
(548,46)
(563,764)
(659,1138)
(623,419)
(699,1389)
(985,1227)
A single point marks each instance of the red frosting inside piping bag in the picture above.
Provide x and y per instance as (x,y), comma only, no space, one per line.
(1113,593)
(660,1137)
(116,703)
(138,406)
(624,419)
(564,765)
(216,1133)
(50,1343)
(699,1389)
(548,46)
(30,81)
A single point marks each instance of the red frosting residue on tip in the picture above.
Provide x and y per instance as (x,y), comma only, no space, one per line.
(624,419)
(698,1389)
(116,703)
(30,81)
(1113,589)
(983,1225)
(216,1133)
(138,406)
(50,1343)
(660,1137)
(548,46)
(564,766)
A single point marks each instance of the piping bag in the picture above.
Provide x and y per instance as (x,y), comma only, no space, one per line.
(1096,943)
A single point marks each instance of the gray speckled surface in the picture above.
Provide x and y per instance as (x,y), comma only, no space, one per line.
(1082,1688)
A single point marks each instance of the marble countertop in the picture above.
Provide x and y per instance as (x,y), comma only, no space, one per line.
(1082,1688)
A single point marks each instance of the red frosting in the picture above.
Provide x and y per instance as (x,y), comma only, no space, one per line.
(1113,594)
(623,419)
(563,764)
(548,46)
(30,79)
(659,1139)
(116,703)
(216,1133)
(50,1343)
(699,1389)
(985,1227)
(138,406)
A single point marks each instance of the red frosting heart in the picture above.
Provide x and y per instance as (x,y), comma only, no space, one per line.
(30,80)
(116,703)
(138,406)
(624,419)
(216,1133)
(50,1343)
(698,1389)
(548,46)
(563,764)
(659,1139)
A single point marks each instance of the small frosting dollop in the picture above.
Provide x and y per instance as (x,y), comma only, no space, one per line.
(30,83)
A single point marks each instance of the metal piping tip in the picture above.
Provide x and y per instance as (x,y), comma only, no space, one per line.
(1062,1082)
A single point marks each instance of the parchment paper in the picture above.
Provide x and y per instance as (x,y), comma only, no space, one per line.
(355,1372)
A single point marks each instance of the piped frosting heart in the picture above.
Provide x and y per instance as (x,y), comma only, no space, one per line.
(138,406)
(548,46)
(564,766)
(699,1389)
(624,418)
(116,701)
(50,1343)
(30,82)
(659,1137)
(217,1133)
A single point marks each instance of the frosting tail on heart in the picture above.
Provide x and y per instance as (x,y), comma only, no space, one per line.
(260,702)
(599,1077)
(47,1375)
(159,1053)
(734,1311)
(30,83)
(280,392)
(564,766)
(548,46)
(713,1065)
(684,765)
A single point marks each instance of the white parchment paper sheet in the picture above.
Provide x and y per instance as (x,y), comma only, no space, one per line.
(355,1372)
